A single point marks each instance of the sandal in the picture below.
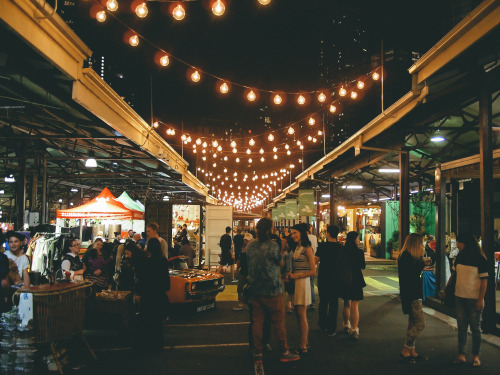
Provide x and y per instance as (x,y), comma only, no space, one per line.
(476,363)
(301,351)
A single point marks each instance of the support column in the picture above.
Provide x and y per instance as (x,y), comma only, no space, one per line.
(20,194)
(318,211)
(454,206)
(333,211)
(404,196)
(486,191)
(45,215)
(440,191)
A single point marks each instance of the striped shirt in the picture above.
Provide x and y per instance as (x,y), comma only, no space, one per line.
(300,262)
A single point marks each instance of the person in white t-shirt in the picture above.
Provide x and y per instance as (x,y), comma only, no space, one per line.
(17,256)
(314,244)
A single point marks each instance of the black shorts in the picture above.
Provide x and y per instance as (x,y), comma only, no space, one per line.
(226,259)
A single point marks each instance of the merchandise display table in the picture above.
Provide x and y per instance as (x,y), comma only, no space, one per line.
(113,303)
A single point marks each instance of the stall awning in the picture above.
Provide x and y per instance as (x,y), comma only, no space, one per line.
(104,206)
(128,202)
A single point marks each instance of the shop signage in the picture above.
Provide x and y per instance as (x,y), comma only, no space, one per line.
(291,209)
(306,202)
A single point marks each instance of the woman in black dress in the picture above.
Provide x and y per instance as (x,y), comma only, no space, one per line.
(352,282)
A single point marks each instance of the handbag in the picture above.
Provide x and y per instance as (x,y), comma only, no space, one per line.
(449,291)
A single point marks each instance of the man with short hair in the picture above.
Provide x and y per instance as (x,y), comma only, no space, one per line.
(314,244)
(16,254)
(328,257)
(130,233)
(152,232)
(142,241)
(227,254)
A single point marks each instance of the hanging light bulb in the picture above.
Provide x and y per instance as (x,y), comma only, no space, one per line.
(333,109)
(289,152)
(219,148)
(225,158)
(360,85)
(183,137)
(251,96)
(375,76)
(224,88)
(287,147)
(112,5)
(134,40)
(264,2)
(204,157)
(248,151)
(342,91)
(164,60)
(233,144)
(275,149)
(262,159)
(250,160)
(214,155)
(195,77)
(291,130)
(275,156)
(179,13)
(299,143)
(237,160)
(251,142)
(311,121)
(301,100)
(215,144)
(198,141)
(214,165)
(320,133)
(354,94)
(188,140)
(261,151)
(101,16)
(141,10)
(218,8)
(277,99)
(321,97)
(270,137)
(314,140)
(204,144)
(309,138)
(204,151)
(235,150)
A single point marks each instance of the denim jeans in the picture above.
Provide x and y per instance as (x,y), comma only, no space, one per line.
(467,314)
(416,323)
(328,308)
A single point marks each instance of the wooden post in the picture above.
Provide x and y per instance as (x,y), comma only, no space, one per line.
(318,211)
(440,192)
(454,206)
(487,214)
(404,196)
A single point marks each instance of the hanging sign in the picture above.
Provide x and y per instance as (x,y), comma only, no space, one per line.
(306,202)
(274,214)
(281,211)
(291,209)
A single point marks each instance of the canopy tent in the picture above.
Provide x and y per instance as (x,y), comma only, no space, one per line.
(104,206)
(143,208)
(125,199)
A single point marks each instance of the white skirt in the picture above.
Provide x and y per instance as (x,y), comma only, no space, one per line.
(302,294)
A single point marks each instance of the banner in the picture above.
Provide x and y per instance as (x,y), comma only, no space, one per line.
(274,214)
(306,202)
(290,209)
(281,211)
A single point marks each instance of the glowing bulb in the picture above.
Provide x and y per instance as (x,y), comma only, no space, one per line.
(361,85)
(301,100)
(262,159)
(287,147)
(188,139)
(218,8)
(288,152)
(198,141)
(275,149)
(309,138)
(112,5)
(214,155)
(215,144)
(164,60)
(270,137)
(219,148)
(214,165)
(277,99)
(299,143)
(248,151)
(251,96)
(101,16)
(291,130)
(204,144)
(155,124)
(314,140)
(264,2)
(237,160)
(225,158)
(251,142)
(311,121)
(141,10)
(333,108)
(342,91)
(250,160)
(275,156)
(195,77)
(204,158)
(134,40)
(354,94)
(183,137)
(375,76)
(320,133)
(233,144)
(321,97)
(179,13)
(261,151)
(235,150)
(224,88)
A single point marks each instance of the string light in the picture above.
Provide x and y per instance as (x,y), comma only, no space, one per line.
(277,99)
(262,159)
(233,144)
(311,121)
(309,138)
(287,147)
(250,160)
(375,76)
(134,40)
(275,149)
(204,144)
(219,148)
(333,109)
(321,97)
(264,2)
(301,100)
(360,85)
(101,16)
(195,77)
(275,156)
(224,88)
(261,151)
(218,8)
(354,94)
(141,10)
(112,5)
(215,144)
(198,141)
(299,143)
(164,60)
(156,124)
(320,133)
(248,151)
(251,142)
(342,91)
(289,153)
(270,137)
(183,137)
(251,96)
(237,160)
(179,13)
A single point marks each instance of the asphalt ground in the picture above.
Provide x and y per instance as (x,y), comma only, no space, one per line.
(216,342)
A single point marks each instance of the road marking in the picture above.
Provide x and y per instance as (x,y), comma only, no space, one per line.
(379,285)
(393,278)
(180,347)
(206,324)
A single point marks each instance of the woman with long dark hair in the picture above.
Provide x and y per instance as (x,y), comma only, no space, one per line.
(471,270)
(411,263)
(303,267)
(351,262)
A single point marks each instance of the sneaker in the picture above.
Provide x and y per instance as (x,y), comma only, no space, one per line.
(234,281)
(331,333)
(237,308)
(289,357)
(257,358)
(268,348)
